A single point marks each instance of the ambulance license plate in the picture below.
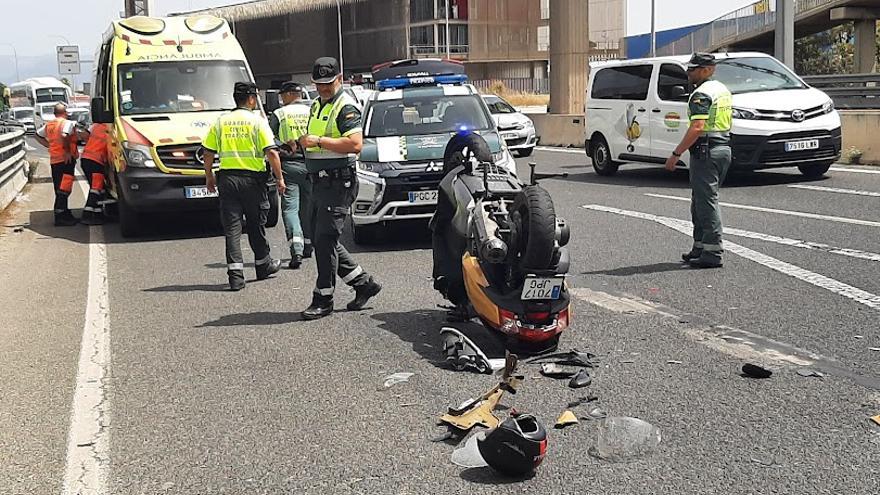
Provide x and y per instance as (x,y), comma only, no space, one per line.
(542,289)
(198,192)
(419,197)
(809,144)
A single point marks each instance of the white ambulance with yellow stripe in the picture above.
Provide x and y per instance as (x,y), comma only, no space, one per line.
(161,83)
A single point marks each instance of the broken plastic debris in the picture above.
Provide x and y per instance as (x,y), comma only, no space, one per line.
(468,455)
(581,379)
(462,353)
(566,419)
(808,373)
(673,361)
(595,413)
(876,419)
(570,358)
(623,438)
(876,349)
(627,361)
(581,400)
(553,370)
(392,380)
(18,230)
(755,371)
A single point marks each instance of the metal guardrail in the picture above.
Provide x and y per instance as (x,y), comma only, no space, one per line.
(751,19)
(12,160)
(849,91)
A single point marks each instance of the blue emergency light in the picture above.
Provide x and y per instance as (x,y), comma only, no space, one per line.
(408,82)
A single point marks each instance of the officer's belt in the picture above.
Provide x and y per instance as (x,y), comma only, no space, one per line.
(344,173)
(714,139)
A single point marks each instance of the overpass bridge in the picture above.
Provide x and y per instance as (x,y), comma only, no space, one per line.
(753,26)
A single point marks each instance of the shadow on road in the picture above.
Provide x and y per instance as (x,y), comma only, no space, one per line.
(190,288)
(259,318)
(404,235)
(487,476)
(640,270)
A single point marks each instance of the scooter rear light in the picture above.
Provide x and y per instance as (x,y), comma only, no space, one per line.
(563,319)
(538,317)
(508,321)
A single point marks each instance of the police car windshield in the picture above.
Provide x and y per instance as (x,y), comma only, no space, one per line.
(171,87)
(428,114)
(750,74)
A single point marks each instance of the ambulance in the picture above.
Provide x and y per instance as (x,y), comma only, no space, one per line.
(160,83)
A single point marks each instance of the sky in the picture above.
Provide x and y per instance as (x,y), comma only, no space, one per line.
(82,23)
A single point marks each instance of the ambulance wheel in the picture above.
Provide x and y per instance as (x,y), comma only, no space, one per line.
(129,220)
(536,233)
(274,209)
(600,154)
(814,170)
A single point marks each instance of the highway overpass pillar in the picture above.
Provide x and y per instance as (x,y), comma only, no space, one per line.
(569,54)
(865,54)
(784,43)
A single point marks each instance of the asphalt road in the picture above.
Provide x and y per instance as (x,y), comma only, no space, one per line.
(212,392)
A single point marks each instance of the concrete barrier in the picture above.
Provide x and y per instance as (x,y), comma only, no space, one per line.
(560,130)
(13,166)
(861,129)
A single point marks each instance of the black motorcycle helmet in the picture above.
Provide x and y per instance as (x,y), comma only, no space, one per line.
(516,447)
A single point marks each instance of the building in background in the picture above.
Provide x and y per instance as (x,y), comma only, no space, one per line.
(496,39)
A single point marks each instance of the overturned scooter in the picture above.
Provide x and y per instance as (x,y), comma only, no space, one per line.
(499,249)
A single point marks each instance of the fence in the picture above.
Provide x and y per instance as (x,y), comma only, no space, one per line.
(850,91)
(517,85)
(13,166)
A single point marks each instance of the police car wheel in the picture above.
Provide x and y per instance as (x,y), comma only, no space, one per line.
(600,154)
(524,152)
(814,170)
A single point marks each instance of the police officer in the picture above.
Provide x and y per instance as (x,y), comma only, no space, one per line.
(289,124)
(708,138)
(334,139)
(241,138)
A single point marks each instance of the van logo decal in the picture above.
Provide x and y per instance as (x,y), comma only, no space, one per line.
(798,116)
(672,120)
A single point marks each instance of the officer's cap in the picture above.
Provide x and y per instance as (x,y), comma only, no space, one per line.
(325,70)
(245,88)
(701,60)
(291,87)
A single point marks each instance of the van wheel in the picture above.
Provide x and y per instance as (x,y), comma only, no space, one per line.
(129,220)
(600,153)
(815,170)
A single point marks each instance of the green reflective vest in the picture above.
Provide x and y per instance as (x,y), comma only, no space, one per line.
(322,123)
(239,138)
(293,121)
(713,103)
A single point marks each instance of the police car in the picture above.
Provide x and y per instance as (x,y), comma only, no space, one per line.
(420,104)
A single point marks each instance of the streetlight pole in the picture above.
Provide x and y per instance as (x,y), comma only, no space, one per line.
(15,56)
(653,29)
(339,27)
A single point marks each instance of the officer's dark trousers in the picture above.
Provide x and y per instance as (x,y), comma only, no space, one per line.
(707,173)
(62,179)
(94,172)
(331,202)
(243,195)
(295,206)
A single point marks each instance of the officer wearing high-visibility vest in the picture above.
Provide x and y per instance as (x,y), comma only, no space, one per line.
(242,138)
(708,138)
(60,136)
(334,139)
(289,124)
(93,163)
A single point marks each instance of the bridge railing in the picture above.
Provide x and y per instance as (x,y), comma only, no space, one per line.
(751,19)
(13,171)
(849,91)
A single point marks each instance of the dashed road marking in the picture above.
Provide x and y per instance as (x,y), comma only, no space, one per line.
(88,443)
(853,221)
(579,151)
(821,281)
(785,241)
(835,190)
(855,170)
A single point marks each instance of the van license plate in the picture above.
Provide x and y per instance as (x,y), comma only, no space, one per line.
(418,197)
(542,289)
(197,192)
(810,144)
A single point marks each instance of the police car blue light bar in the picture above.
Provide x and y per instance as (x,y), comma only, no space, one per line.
(406,82)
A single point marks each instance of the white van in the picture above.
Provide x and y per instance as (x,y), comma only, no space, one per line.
(637,112)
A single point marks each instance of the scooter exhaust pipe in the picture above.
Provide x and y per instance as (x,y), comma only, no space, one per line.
(494,250)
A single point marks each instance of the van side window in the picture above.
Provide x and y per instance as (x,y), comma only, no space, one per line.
(622,83)
(672,84)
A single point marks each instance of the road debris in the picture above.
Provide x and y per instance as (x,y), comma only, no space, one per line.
(18,230)
(567,418)
(875,349)
(480,411)
(515,448)
(627,361)
(754,371)
(581,379)
(594,413)
(553,370)
(394,379)
(622,438)
(570,358)
(806,372)
(673,361)
(876,419)
(461,353)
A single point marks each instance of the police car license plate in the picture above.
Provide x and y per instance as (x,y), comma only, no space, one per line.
(196,192)
(809,144)
(509,136)
(417,197)
(542,289)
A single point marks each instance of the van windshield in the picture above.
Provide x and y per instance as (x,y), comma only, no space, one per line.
(750,74)
(26,113)
(172,87)
(51,94)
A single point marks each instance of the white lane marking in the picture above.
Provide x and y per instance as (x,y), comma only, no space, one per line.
(835,190)
(88,442)
(579,151)
(821,281)
(853,221)
(855,170)
(616,304)
(785,241)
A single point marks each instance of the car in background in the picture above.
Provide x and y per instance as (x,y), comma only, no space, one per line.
(82,117)
(43,114)
(516,128)
(25,116)
(420,104)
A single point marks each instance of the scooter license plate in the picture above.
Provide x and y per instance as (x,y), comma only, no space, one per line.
(542,289)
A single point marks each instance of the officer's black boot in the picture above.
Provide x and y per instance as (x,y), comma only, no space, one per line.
(693,255)
(321,306)
(270,268)
(363,293)
(707,260)
(295,262)
(236,280)
(307,251)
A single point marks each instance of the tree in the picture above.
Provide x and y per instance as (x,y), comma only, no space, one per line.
(828,52)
